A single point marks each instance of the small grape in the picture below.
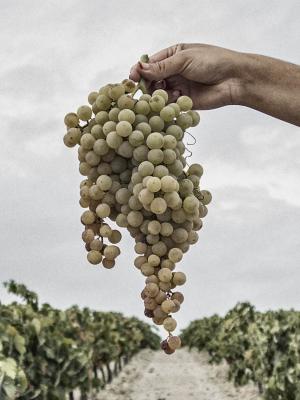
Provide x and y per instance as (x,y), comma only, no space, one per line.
(103,210)
(174,342)
(170,324)
(167,113)
(94,257)
(175,255)
(157,103)
(71,120)
(185,103)
(162,93)
(155,140)
(158,205)
(165,275)
(179,278)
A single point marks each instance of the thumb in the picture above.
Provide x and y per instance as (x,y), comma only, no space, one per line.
(162,69)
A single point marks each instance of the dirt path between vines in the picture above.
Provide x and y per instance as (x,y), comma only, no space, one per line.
(182,376)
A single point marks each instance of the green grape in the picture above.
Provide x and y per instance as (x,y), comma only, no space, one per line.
(195,169)
(145,97)
(176,168)
(167,113)
(154,184)
(157,103)
(159,249)
(154,227)
(101,117)
(193,237)
(116,91)
(123,195)
(175,131)
(168,306)
(71,120)
(169,156)
(125,101)
(185,103)
(97,132)
(105,230)
(155,156)
(96,244)
(136,138)
(140,153)
(103,102)
(92,158)
(114,140)
(144,127)
(129,85)
(88,235)
(84,168)
(108,263)
(135,218)
(87,141)
(190,203)
(114,114)
(160,171)
(173,200)
(169,184)
(176,108)
(165,275)
(155,140)
(111,252)
(124,128)
(109,126)
(70,140)
(184,121)
(103,210)
(162,93)
(145,196)
(158,205)
(142,107)
(126,115)
(170,142)
(101,147)
(94,257)
(84,113)
(206,197)
(179,278)
(195,117)
(146,168)
(139,118)
(175,255)
(125,150)
(157,123)
(104,182)
(88,217)
(153,260)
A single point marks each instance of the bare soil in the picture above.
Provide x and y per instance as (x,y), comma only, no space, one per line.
(182,376)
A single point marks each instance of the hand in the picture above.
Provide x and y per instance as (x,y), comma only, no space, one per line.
(208,74)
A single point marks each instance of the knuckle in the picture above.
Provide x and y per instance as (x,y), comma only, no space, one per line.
(180,47)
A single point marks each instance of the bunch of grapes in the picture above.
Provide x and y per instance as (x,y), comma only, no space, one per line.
(131,152)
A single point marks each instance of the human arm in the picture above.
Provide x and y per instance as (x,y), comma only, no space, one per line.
(214,77)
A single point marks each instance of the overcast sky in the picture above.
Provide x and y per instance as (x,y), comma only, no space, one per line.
(53,54)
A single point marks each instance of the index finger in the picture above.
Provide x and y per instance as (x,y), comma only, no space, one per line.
(166,53)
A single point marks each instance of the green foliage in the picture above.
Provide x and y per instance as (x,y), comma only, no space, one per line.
(261,347)
(47,353)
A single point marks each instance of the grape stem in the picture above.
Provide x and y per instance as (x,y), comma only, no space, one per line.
(142,83)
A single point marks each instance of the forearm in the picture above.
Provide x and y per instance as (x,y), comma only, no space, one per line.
(269,85)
